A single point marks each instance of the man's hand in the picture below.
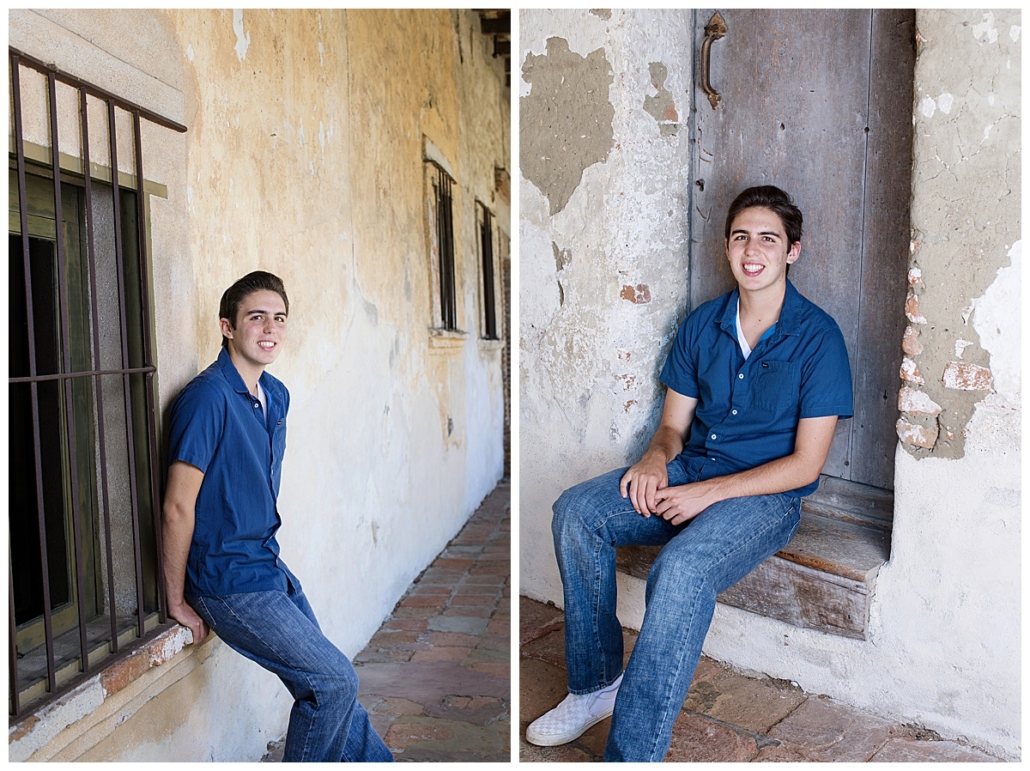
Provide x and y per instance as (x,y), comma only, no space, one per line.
(188,617)
(679,504)
(801,467)
(649,475)
(643,481)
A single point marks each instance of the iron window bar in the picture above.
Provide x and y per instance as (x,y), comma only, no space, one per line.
(486,235)
(68,374)
(443,185)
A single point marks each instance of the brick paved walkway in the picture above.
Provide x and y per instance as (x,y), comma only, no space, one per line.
(436,677)
(727,716)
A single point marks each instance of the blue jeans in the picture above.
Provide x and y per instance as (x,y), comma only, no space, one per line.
(700,558)
(278,630)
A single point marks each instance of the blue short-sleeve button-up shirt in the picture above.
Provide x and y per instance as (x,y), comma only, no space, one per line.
(220,428)
(748,410)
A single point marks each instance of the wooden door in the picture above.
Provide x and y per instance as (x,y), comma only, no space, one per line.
(819,103)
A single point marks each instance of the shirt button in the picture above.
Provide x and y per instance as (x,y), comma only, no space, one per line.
(714,436)
(256,405)
(734,412)
(741,376)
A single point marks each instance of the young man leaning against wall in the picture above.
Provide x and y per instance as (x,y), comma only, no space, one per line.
(756,380)
(221,560)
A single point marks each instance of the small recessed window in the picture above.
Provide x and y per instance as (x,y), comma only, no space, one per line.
(488,272)
(442,223)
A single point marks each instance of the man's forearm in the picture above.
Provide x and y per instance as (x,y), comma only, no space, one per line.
(665,445)
(777,476)
(800,468)
(176,536)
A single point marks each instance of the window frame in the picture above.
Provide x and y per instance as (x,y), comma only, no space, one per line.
(489,320)
(441,185)
(139,404)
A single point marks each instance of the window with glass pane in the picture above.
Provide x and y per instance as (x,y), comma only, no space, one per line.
(81,510)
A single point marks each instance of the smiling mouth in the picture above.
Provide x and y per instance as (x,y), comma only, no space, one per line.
(752,268)
(266,345)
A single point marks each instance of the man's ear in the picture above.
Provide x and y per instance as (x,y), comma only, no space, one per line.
(226,327)
(794,253)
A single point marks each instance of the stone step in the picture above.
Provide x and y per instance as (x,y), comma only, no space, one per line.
(841,499)
(825,576)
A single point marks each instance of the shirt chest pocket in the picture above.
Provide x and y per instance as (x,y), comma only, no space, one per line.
(279,439)
(776,387)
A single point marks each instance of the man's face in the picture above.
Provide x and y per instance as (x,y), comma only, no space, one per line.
(758,250)
(260,328)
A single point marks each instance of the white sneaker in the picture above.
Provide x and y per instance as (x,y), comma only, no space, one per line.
(573,716)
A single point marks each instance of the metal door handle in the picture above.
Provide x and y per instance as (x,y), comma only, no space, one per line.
(715,30)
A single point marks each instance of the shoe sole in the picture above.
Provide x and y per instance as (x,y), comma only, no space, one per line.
(554,741)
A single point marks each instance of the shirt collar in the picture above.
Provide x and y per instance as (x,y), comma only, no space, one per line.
(790,313)
(230,373)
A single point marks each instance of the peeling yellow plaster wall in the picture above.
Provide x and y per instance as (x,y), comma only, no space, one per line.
(268,163)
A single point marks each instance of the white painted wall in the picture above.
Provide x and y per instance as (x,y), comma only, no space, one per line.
(588,371)
(944,642)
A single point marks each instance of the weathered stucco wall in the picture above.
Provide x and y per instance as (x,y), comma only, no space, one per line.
(944,647)
(304,156)
(603,249)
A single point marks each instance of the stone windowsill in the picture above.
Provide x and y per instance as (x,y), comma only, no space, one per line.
(446,339)
(37,729)
(491,345)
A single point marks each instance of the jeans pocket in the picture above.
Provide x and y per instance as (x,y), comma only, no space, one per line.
(795,512)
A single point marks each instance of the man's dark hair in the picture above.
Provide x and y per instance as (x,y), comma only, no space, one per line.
(256,281)
(774,199)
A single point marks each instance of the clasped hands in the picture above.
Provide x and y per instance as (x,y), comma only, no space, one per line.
(646,484)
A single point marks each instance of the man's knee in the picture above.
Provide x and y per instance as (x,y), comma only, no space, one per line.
(560,510)
(570,512)
(339,682)
(677,574)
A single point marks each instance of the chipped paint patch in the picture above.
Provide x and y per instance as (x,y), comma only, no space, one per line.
(568,104)
(986,29)
(33,734)
(242,38)
(562,257)
(916,435)
(639,294)
(661,106)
